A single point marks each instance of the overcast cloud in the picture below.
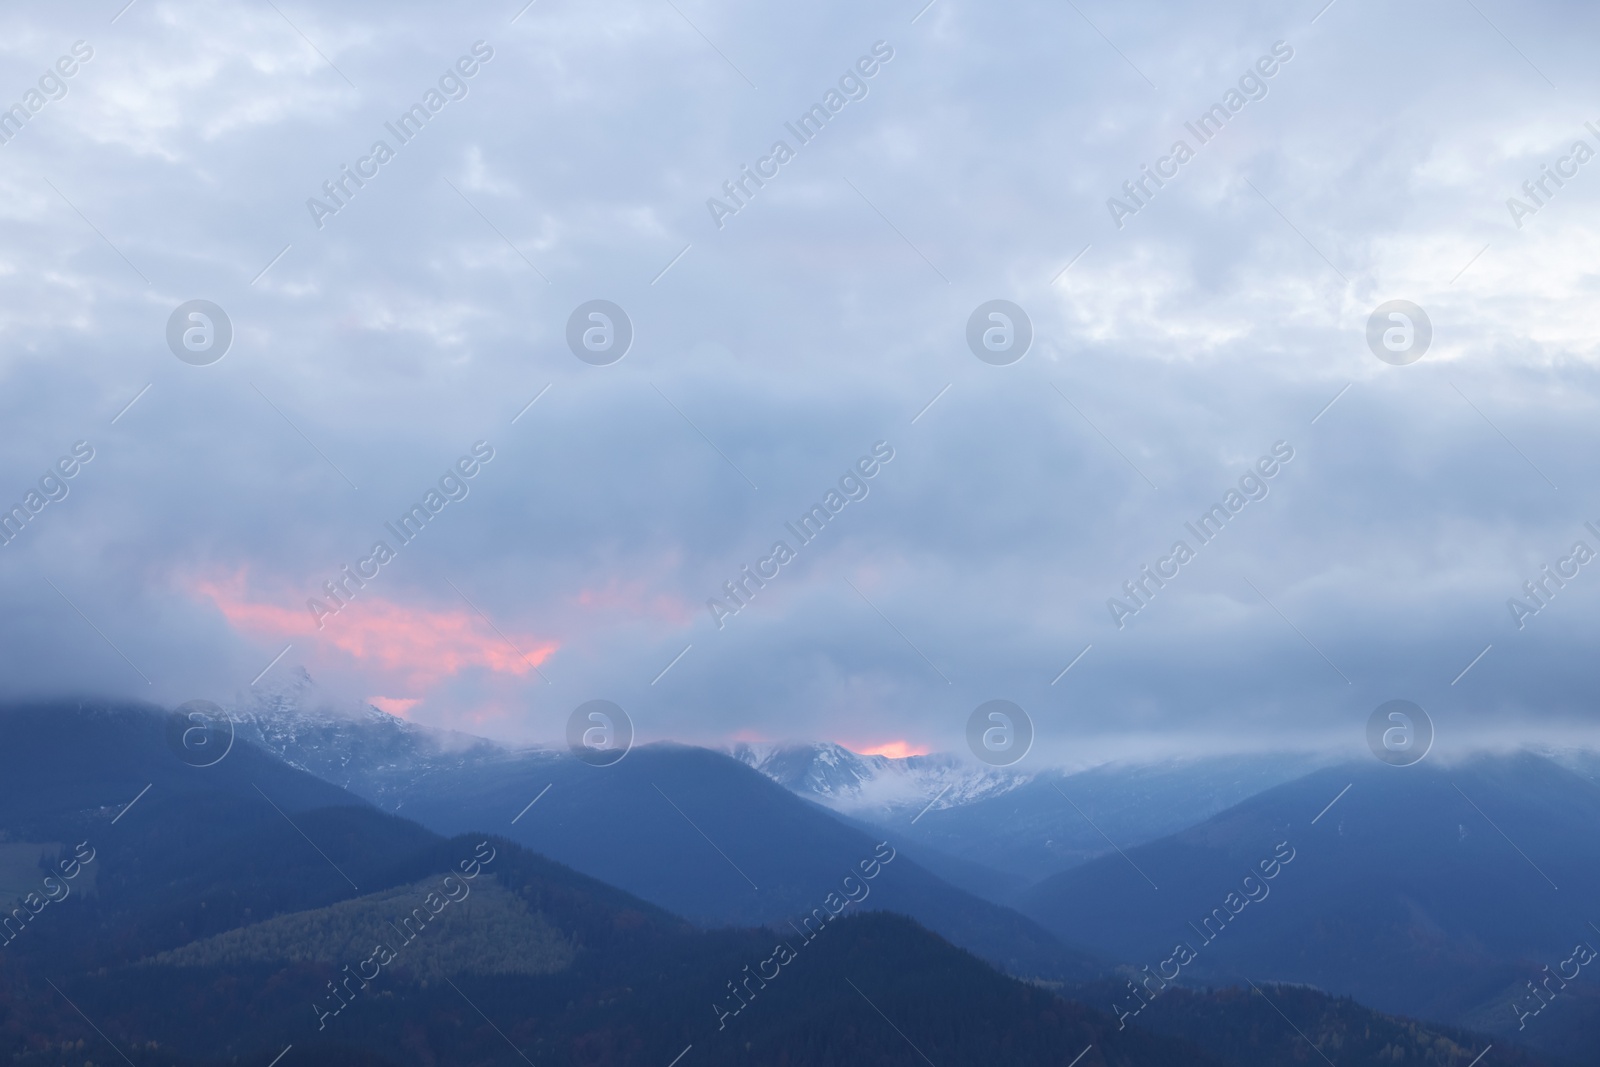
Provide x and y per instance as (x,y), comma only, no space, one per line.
(771,352)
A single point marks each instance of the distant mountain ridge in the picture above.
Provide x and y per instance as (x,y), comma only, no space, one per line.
(1021,826)
(1428,891)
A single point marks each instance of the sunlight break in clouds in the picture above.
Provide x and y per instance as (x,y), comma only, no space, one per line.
(396,706)
(892,749)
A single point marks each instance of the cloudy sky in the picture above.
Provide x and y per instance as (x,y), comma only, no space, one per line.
(1178,338)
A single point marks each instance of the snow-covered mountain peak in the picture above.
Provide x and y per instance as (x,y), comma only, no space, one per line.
(348,742)
(851,782)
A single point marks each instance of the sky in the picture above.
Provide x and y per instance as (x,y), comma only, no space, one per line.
(391,335)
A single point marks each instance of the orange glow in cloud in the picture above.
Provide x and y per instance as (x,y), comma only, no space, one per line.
(396,706)
(417,646)
(892,749)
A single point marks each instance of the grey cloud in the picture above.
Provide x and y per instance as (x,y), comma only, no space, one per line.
(430,310)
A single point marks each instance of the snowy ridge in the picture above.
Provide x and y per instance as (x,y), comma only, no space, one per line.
(852,783)
(350,743)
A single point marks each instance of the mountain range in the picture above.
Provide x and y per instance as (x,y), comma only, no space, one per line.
(1051,875)
(629,912)
(234,902)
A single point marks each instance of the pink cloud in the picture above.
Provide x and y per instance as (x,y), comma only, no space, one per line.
(228,594)
(416,646)
(396,706)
